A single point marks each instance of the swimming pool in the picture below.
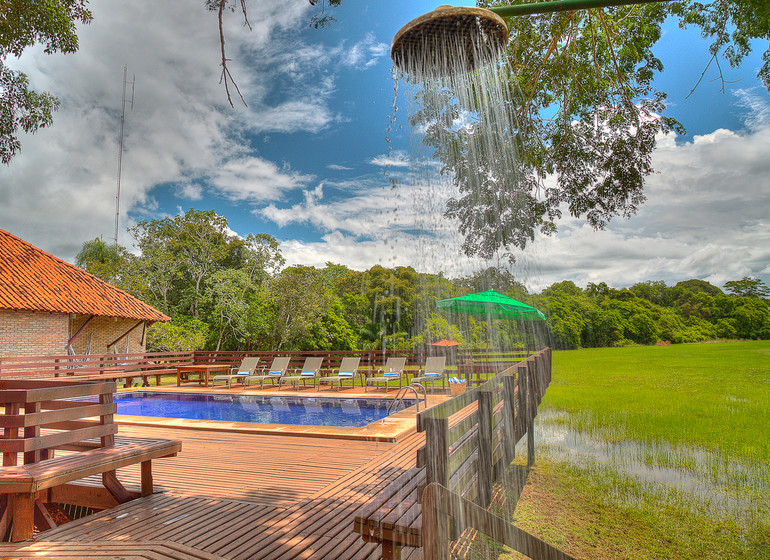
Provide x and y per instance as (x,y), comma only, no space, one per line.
(305,411)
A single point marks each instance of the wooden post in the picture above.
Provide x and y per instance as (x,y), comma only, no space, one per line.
(146,478)
(436,450)
(530,415)
(435,534)
(485,435)
(391,550)
(509,419)
(521,404)
(32,432)
(108,440)
(436,459)
(23,516)
(10,458)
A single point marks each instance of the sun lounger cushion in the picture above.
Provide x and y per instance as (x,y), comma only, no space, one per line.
(391,374)
(346,374)
(307,374)
(274,373)
(433,375)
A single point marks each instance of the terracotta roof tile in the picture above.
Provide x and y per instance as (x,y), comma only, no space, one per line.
(33,280)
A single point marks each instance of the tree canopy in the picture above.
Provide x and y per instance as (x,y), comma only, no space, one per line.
(24,24)
(229,293)
(585,117)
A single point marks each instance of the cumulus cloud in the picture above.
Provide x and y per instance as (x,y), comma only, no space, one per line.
(253,178)
(705,217)
(60,190)
(397,158)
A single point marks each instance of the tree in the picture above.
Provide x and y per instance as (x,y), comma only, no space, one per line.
(103,260)
(181,334)
(24,24)
(300,297)
(581,118)
(227,293)
(156,273)
(200,238)
(179,253)
(321,19)
(748,287)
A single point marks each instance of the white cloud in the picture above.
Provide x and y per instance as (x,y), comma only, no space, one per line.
(60,190)
(190,191)
(365,53)
(396,158)
(705,217)
(252,178)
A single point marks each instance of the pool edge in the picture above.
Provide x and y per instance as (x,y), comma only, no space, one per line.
(388,429)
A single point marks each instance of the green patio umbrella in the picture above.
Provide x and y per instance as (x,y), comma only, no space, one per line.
(491,304)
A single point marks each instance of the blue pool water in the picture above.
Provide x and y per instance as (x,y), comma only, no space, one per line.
(306,411)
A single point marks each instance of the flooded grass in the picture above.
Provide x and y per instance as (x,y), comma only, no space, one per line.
(712,397)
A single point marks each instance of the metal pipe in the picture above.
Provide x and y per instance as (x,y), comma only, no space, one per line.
(562,6)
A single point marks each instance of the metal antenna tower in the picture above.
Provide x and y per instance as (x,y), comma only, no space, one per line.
(120,150)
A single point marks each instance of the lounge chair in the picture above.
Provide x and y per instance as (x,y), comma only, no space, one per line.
(347,370)
(432,372)
(310,371)
(248,367)
(274,373)
(393,370)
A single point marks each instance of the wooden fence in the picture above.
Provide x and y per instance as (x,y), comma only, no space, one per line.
(57,365)
(464,460)
(469,442)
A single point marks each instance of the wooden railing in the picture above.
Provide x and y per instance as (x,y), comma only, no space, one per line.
(468,456)
(58,365)
(469,442)
(48,366)
(465,457)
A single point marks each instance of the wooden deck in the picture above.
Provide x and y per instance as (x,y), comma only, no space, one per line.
(239,496)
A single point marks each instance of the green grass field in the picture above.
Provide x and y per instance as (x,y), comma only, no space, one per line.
(648,413)
(712,396)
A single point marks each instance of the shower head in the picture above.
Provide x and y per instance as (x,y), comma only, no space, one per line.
(452,40)
(422,44)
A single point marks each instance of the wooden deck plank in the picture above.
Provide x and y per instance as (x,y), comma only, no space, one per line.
(108,550)
(276,470)
(244,496)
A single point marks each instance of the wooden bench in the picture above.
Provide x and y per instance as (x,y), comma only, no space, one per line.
(40,422)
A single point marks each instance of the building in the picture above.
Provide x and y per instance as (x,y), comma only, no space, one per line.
(50,307)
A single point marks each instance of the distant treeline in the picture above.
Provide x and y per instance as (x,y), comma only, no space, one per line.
(229,293)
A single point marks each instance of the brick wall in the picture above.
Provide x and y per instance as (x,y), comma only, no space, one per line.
(105,330)
(32,333)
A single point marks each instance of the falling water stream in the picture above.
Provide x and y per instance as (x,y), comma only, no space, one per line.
(468,121)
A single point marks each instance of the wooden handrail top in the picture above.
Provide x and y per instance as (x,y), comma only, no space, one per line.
(53,472)
(23,391)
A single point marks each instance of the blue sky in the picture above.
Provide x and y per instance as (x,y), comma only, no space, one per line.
(305,161)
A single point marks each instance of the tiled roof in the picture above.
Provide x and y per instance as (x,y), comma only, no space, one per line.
(33,280)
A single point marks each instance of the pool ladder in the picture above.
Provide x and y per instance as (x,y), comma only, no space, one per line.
(402,392)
